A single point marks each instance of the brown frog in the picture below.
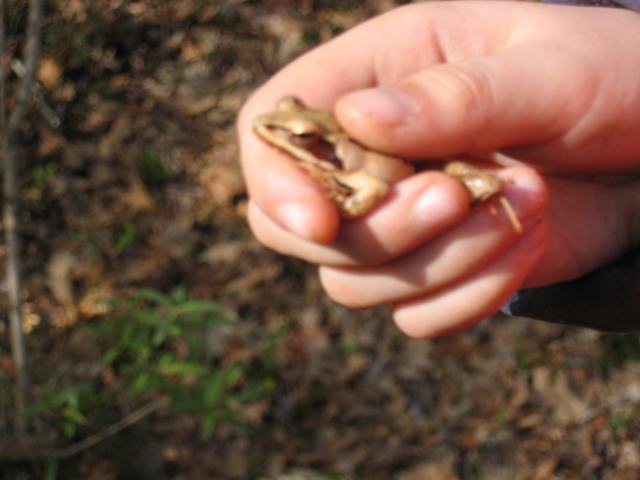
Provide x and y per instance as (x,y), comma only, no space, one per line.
(356,178)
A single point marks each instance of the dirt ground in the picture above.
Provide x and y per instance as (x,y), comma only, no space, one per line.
(140,186)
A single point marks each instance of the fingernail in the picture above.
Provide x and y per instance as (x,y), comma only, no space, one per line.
(387,105)
(435,205)
(296,219)
(526,199)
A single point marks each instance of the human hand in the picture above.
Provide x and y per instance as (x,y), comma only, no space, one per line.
(554,87)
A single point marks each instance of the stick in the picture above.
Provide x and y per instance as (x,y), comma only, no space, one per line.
(111,430)
(10,131)
(34,448)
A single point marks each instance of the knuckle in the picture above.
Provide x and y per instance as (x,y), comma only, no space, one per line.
(468,86)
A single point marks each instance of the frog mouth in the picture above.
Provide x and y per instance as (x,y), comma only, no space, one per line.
(305,148)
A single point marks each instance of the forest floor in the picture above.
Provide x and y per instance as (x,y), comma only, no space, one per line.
(140,187)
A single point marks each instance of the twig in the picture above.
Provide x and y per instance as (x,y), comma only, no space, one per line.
(26,448)
(49,114)
(111,430)
(34,448)
(10,132)
(594,412)
(32,54)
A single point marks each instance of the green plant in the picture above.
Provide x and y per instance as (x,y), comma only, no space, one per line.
(152,346)
(37,202)
(66,406)
(41,175)
(151,168)
(619,421)
(128,235)
(156,347)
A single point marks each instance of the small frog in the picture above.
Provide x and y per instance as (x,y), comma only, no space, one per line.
(356,178)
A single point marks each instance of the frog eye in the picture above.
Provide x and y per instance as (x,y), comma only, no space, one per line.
(304,139)
(303,127)
(304,132)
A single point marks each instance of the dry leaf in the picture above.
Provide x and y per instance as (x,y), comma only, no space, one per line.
(59,272)
(557,393)
(228,252)
(49,73)
(545,469)
(442,469)
(137,198)
(223,181)
(49,142)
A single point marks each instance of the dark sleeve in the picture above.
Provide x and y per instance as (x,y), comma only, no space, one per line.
(630,4)
(607,299)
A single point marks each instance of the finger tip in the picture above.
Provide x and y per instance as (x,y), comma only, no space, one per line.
(298,219)
(308,223)
(426,329)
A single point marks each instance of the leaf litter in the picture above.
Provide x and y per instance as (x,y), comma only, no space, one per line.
(147,191)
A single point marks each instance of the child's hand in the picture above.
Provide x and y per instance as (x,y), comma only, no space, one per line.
(558,88)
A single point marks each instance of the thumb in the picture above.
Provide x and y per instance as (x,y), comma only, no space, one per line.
(524,95)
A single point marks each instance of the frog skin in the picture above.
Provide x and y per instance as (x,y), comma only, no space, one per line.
(354,177)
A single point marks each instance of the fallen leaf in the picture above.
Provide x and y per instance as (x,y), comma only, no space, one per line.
(49,73)
(137,198)
(59,275)
(557,393)
(442,469)
(228,252)
(49,142)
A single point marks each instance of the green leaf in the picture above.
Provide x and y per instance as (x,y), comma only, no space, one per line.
(51,472)
(181,368)
(234,373)
(183,405)
(42,174)
(196,307)
(110,355)
(215,387)
(209,423)
(163,331)
(152,169)
(153,296)
(141,382)
(74,415)
(127,236)
(180,294)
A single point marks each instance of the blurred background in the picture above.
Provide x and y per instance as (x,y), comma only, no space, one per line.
(163,342)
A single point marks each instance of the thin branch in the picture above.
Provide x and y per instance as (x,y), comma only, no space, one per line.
(26,448)
(34,448)
(10,132)
(3,113)
(600,409)
(32,55)
(111,430)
